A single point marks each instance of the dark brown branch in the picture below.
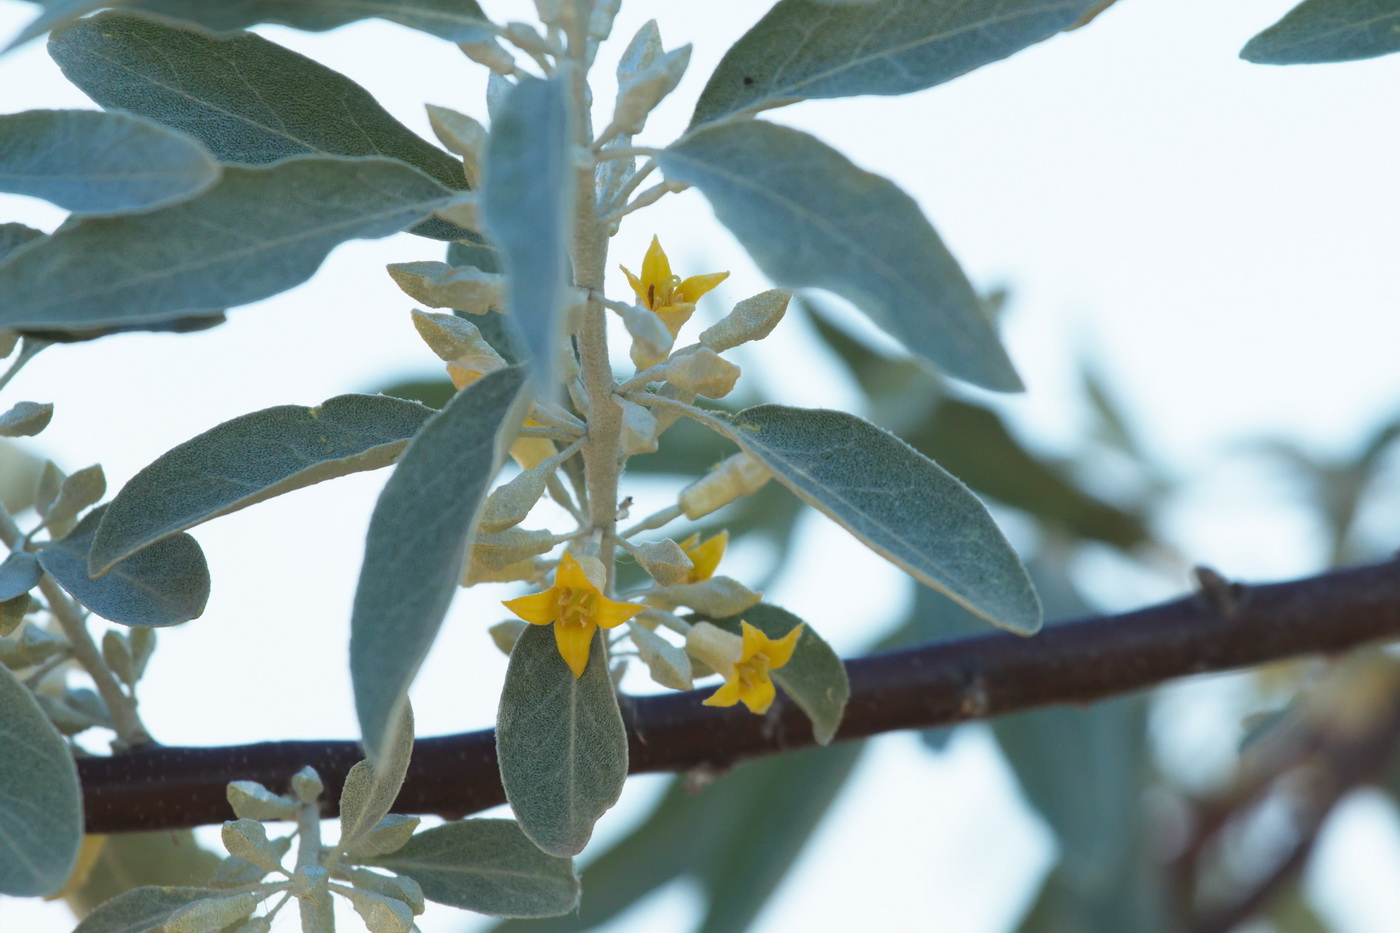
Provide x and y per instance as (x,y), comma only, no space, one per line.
(975,678)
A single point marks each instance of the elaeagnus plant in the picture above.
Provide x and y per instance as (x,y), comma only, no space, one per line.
(224,168)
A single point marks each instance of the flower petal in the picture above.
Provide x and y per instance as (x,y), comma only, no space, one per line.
(692,288)
(611,612)
(674,316)
(637,285)
(571,575)
(537,608)
(726,695)
(574,642)
(656,268)
(780,652)
(754,640)
(705,556)
(759,696)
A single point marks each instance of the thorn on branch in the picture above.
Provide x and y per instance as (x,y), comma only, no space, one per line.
(1224,596)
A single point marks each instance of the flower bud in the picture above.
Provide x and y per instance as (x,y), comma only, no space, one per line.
(752,319)
(463,136)
(702,371)
(439,285)
(638,429)
(665,561)
(510,547)
(490,54)
(509,503)
(734,477)
(506,634)
(717,596)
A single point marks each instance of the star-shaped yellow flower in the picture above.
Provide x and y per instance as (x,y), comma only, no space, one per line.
(748,680)
(671,297)
(704,556)
(577,607)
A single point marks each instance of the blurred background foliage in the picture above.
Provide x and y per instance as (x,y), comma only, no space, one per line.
(1139,847)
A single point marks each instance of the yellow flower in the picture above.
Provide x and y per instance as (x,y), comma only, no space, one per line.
(749,677)
(671,297)
(704,555)
(577,607)
(529,452)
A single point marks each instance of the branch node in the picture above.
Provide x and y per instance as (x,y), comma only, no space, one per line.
(1225,597)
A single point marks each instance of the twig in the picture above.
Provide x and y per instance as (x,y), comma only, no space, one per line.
(1075,662)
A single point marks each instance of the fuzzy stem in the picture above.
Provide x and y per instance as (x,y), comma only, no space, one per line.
(131,732)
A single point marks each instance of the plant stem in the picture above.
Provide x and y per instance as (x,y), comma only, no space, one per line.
(28,349)
(589,253)
(131,732)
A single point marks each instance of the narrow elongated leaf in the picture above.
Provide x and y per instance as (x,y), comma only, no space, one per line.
(811,218)
(142,910)
(249,100)
(1317,31)
(257,232)
(454,20)
(41,807)
(901,504)
(418,537)
(164,584)
(13,236)
(741,834)
(370,790)
(814,678)
(560,741)
(487,866)
(528,182)
(91,162)
(251,458)
(810,48)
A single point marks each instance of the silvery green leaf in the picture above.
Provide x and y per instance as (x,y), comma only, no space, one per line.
(25,419)
(898,502)
(12,612)
(388,836)
(811,218)
(641,91)
(264,103)
(250,800)
(528,197)
(251,458)
(380,914)
(91,162)
(19,574)
(257,232)
(212,914)
(307,785)
(814,678)
(487,866)
(247,839)
(34,646)
(418,537)
(398,887)
(668,664)
(454,20)
(142,910)
(13,236)
(811,48)
(46,489)
(371,789)
(142,639)
(117,653)
(560,741)
(1317,31)
(78,491)
(41,822)
(163,584)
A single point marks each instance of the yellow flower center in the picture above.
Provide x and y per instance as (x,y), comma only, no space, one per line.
(752,671)
(577,606)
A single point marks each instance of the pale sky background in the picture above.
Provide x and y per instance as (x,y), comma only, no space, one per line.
(1221,236)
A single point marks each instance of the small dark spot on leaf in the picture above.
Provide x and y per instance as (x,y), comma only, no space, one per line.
(748,80)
